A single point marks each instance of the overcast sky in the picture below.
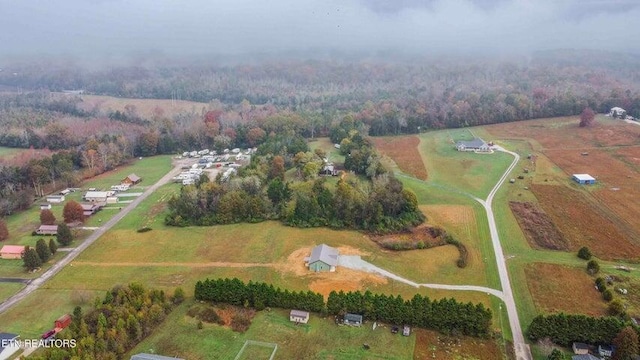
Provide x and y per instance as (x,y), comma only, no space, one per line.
(124,27)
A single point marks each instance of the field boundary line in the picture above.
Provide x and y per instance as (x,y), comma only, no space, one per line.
(257,343)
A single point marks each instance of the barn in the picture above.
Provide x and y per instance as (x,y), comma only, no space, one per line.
(584,179)
(12,252)
(132,179)
(323,258)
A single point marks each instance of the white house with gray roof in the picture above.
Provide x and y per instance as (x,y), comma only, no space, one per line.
(477,145)
(323,258)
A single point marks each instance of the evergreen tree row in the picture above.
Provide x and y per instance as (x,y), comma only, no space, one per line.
(565,329)
(445,315)
(256,295)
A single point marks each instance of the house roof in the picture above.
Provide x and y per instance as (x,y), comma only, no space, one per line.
(581,346)
(324,253)
(353,317)
(475,143)
(299,313)
(12,249)
(145,356)
(88,206)
(96,194)
(133,177)
(584,177)
(55,196)
(48,227)
(584,357)
(4,337)
(617,109)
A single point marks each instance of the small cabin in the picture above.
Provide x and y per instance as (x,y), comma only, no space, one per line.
(299,316)
(353,319)
(47,230)
(132,179)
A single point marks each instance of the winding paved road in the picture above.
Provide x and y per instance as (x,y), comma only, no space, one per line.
(36,283)
(520,346)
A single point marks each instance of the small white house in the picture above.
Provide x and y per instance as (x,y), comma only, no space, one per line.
(299,316)
(97,196)
(618,112)
(45,206)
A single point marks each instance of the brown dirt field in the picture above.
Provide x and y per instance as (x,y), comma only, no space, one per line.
(404,151)
(432,345)
(144,107)
(325,282)
(584,224)
(564,133)
(554,288)
(424,233)
(539,229)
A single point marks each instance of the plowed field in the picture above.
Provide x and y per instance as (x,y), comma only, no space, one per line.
(404,151)
(584,224)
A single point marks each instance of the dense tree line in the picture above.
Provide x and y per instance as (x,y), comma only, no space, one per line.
(445,315)
(117,323)
(256,295)
(565,329)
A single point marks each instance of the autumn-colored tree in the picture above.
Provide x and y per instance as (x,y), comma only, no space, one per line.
(586,117)
(626,344)
(276,170)
(47,217)
(72,212)
(255,136)
(4,231)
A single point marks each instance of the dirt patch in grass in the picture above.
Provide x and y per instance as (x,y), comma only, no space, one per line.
(556,288)
(432,345)
(403,150)
(325,282)
(583,223)
(540,231)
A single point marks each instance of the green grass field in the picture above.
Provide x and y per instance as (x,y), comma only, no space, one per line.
(467,172)
(319,339)
(8,289)
(8,152)
(325,144)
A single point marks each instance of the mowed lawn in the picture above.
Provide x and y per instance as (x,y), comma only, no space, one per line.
(319,339)
(8,289)
(467,172)
(325,144)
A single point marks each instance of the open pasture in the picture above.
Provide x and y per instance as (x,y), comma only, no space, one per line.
(556,288)
(403,150)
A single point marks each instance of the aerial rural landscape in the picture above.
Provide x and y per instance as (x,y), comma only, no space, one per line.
(359,200)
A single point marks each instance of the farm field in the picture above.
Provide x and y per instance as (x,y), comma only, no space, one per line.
(403,150)
(319,339)
(606,151)
(557,288)
(146,108)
